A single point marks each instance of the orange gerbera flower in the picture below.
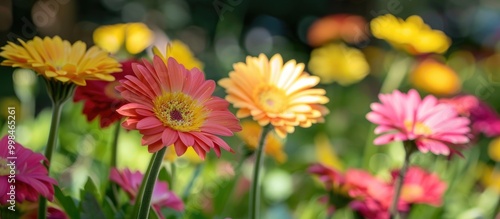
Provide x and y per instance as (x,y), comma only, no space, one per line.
(58,59)
(171,105)
(276,94)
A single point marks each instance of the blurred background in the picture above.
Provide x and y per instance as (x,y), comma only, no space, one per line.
(223,32)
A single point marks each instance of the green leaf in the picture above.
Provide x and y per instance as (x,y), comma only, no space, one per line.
(165,176)
(67,203)
(90,208)
(110,211)
(90,187)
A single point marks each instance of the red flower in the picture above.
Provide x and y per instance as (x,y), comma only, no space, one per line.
(421,187)
(101,99)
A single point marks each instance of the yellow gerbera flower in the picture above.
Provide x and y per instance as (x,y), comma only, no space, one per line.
(276,94)
(340,63)
(273,146)
(181,53)
(494,149)
(136,37)
(489,176)
(436,78)
(412,35)
(58,59)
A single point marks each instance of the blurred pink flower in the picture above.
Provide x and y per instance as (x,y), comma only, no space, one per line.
(330,177)
(421,187)
(434,126)
(484,119)
(162,196)
(52,213)
(30,177)
(370,209)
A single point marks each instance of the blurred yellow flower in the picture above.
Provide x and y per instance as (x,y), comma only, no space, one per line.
(494,149)
(340,63)
(412,35)
(275,93)
(190,155)
(436,78)
(489,177)
(58,59)
(181,53)
(273,146)
(325,153)
(136,37)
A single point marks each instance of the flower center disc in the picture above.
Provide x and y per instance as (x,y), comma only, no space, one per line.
(419,128)
(179,112)
(271,99)
(4,169)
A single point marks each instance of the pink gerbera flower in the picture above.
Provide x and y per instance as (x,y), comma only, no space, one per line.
(434,126)
(484,119)
(171,105)
(421,187)
(30,177)
(162,196)
(101,99)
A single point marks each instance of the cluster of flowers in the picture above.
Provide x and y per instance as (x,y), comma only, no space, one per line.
(171,103)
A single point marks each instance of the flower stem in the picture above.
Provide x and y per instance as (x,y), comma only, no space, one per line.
(255,192)
(409,147)
(150,180)
(114,144)
(58,93)
(140,194)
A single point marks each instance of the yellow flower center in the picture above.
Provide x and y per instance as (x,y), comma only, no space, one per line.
(4,169)
(411,192)
(271,98)
(111,92)
(418,128)
(179,112)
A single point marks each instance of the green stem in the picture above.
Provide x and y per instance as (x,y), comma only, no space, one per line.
(114,144)
(51,144)
(196,173)
(395,75)
(172,175)
(255,192)
(409,147)
(150,180)
(142,188)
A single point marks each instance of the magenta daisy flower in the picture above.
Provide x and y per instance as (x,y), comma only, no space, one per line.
(30,177)
(433,126)
(162,196)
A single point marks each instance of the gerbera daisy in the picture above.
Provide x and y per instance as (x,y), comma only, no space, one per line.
(181,53)
(171,105)
(412,34)
(421,187)
(433,126)
(162,196)
(484,119)
(58,59)
(133,37)
(340,63)
(101,99)
(30,177)
(276,94)
(273,146)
